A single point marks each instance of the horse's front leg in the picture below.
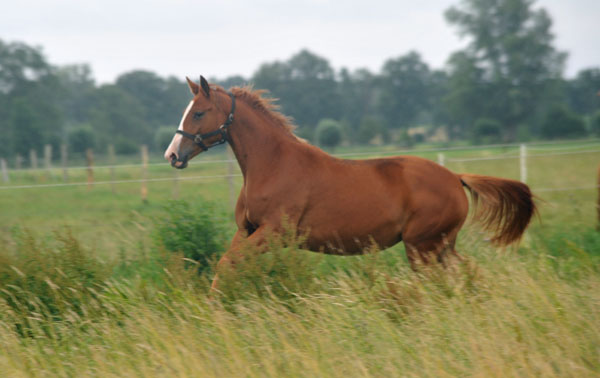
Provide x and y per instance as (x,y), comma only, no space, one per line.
(235,253)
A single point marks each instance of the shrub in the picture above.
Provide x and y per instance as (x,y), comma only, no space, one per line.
(487,131)
(81,138)
(125,146)
(329,133)
(194,229)
(560,122)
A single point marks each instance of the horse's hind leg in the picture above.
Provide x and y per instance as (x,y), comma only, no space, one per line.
(425,249)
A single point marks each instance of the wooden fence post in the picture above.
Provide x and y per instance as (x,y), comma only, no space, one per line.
(33,159)
(4,169)
(523,162)
(111,163)
(230,160)
(89,154)
(64,162)
(144,189)
(441,159)
(48,158)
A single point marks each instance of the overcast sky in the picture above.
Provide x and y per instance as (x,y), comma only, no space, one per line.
(220,38)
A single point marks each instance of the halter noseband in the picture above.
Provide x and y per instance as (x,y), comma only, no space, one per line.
(222,130)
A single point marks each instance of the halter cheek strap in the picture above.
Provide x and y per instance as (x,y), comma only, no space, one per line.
(222,130)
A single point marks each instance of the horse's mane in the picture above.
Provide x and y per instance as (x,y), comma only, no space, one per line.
(265,105)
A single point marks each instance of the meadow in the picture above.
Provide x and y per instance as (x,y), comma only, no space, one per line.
(89,287)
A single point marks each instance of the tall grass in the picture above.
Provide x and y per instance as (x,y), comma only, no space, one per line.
(497,314)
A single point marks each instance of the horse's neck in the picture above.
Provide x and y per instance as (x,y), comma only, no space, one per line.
(257,141)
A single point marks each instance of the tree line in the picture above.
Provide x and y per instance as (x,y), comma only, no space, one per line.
(506,85)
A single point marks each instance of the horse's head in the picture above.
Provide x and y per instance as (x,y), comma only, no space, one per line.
(203,125)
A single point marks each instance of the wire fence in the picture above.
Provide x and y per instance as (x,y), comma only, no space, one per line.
(522,152)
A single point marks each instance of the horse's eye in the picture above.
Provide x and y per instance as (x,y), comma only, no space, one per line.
(198,115)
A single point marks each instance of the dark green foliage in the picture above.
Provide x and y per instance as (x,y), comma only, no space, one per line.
(124,146)
(163,137)
(487,131)
(81,138)
(595,124)
(48,279)
(509,66)
(560,122)
(404,139)
(195,229)
(329,133)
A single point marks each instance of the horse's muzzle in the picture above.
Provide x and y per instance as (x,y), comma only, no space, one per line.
(175,160)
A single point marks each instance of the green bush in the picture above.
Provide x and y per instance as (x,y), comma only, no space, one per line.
(195,229)
(125,146)
(329,133)
(560,122)
(487,131)
(81,138)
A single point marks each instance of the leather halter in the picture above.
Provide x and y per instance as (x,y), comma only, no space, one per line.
(198,139)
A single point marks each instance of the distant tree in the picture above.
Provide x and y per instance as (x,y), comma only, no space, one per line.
(405,89)
(562,123)
(119,117)
(231,81)
(305,85)
(584,91)
(509,65)
(30,111)
(329,133)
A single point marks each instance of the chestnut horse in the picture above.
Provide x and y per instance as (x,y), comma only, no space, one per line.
(342,205)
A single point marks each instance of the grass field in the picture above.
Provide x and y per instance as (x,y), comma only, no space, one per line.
(86,290)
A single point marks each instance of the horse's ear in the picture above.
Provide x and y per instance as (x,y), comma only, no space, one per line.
(205,86)
(193,86)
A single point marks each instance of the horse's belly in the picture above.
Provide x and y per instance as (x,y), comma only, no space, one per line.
(353,239)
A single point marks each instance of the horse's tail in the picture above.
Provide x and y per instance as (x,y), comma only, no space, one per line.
(503,206)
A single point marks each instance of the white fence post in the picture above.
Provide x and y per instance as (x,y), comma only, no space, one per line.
(48,158)
(523,162)
(33,159)
(64,161)
(441,159)
(5,177)
(144,188)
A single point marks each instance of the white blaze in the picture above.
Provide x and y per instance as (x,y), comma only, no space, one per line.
(174,146)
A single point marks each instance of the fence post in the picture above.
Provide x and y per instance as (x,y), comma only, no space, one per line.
(441,159)
(64,161)
(48,158)
(230,160)
(89,154)
(598,204)
(33,159)
(111,163)
(5,177)
(523,162)
(18,162)
(144,189)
